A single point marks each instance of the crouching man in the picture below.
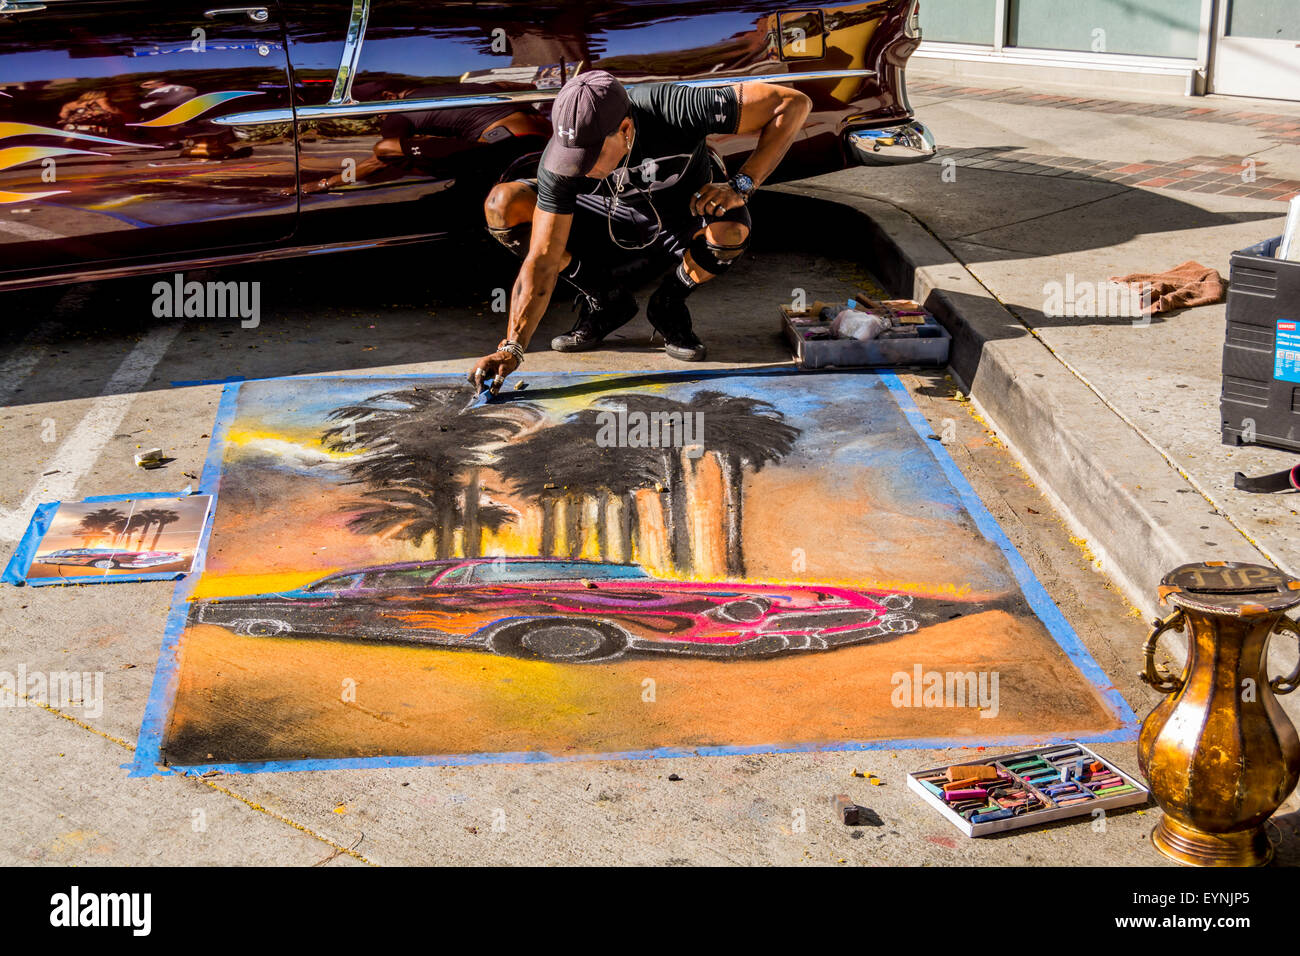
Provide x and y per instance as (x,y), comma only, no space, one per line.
(628,174)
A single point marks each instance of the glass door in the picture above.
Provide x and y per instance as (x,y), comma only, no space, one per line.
(1257,50)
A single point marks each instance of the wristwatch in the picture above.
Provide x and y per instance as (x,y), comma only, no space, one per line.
(741,184)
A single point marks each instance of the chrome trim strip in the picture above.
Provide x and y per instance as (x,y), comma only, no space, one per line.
(900,86)
(356,33)
(334,110)
(279,114)
(256,14)
(781,77)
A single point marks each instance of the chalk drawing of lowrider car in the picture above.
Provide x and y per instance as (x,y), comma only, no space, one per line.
(563,610)
(107,558)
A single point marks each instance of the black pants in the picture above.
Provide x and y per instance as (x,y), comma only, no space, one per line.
(633,224)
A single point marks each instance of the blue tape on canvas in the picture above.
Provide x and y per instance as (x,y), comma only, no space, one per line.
(184,493)
(661,753)
(188,383)
(108,578)
(21,562)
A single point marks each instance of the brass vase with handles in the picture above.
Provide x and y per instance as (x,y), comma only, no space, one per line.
(1219,752)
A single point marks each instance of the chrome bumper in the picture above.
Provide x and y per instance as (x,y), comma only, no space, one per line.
(909,142)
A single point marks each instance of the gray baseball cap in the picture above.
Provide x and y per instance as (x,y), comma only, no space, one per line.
(588,109)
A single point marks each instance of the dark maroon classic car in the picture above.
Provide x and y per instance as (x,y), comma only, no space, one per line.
(566,610)
(139,136)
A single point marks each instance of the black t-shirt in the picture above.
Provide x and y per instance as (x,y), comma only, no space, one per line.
(465,123)
(669,153)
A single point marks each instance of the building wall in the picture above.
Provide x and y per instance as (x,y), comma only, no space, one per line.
(1168,28)
(1236,47)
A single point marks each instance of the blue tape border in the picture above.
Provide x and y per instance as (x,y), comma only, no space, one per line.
(108,579)
(21,561)
(148,753)
(192,382)
(1039,600)
(148,750)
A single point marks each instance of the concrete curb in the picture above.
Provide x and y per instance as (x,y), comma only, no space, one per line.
(1140,516)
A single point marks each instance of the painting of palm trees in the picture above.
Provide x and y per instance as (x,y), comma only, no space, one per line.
(435,474)
(419,458)
(158,519)
(100,523)
(745,434)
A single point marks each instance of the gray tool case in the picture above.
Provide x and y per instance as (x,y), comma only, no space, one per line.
(1260,402)
(923,344)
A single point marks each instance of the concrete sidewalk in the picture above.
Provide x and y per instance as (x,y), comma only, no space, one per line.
(1118,419)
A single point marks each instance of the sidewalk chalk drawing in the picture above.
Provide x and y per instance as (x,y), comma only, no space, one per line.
(600,566)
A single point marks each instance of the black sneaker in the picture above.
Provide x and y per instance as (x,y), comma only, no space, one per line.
(597,317)
(672,320)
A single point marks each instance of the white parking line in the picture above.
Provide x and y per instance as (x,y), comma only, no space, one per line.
(81,448)
(15,369)
(23,231)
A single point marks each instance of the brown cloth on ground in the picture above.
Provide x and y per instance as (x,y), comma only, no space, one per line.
(1182,287)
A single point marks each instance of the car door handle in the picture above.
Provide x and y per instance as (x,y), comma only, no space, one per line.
(256,14)
(8,9)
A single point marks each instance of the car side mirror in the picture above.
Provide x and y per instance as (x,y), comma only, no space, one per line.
(801,35)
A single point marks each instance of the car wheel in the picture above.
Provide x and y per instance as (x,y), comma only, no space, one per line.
(897,602)
(260,628)
(897,624)
(559,640)
(104,563)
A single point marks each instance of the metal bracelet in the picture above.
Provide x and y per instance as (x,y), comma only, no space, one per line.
(513,349)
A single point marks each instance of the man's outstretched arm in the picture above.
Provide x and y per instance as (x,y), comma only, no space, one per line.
(776,114)
(530,296)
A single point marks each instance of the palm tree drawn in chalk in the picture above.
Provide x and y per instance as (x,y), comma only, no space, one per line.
(421,457)
(577,484)
(744,434)
(563,467)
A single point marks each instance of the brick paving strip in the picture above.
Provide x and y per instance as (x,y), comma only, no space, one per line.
(1278,126)
(1228,175)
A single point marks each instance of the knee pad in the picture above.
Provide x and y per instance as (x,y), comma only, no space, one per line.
(514,238)
(714,258)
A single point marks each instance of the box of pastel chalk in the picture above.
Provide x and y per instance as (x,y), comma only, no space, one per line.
(1026,788)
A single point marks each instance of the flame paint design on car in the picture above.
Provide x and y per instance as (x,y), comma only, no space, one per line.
(21,155)
(192,109)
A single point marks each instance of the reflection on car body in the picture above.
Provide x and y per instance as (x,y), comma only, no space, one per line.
(142,137)
(563,610)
